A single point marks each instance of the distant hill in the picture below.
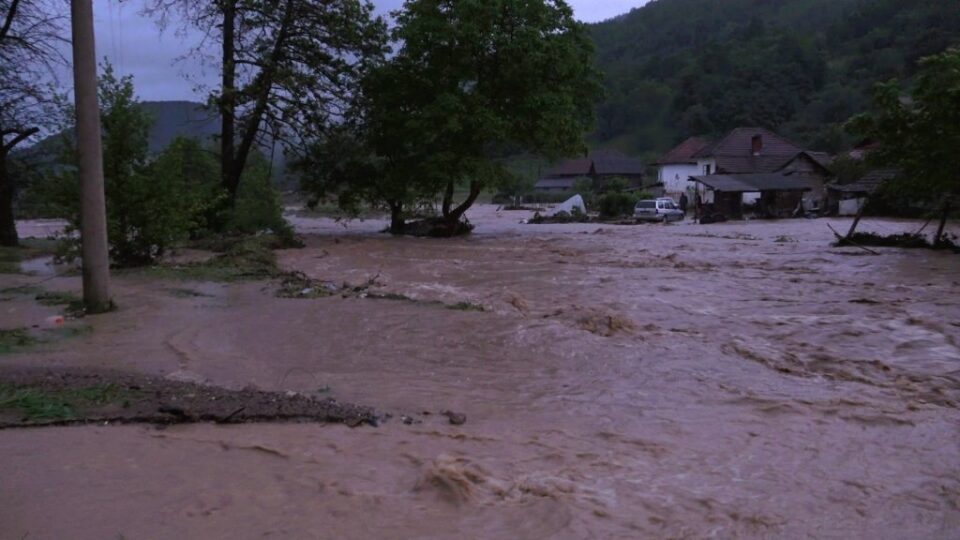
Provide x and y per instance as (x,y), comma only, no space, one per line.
(172,119)
(676,68)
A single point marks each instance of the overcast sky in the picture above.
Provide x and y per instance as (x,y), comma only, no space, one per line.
(135,46)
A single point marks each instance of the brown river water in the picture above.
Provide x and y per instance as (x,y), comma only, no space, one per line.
(738,380)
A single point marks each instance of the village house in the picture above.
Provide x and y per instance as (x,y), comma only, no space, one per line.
(848,199)
(676,167)
(599,167)
(748,167)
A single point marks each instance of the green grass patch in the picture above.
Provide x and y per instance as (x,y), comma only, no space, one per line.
(182,292)
(7,267)
(54,298)
(73,305)
(57,404)
(26,290)
(13,339)
(248,259)
(19,339)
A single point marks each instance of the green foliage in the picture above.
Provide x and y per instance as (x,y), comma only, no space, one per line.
(472,81)
(154,204)
(257,208)
(150,206)
(56,404)
(12,339)
(920,135)
(847,169)
(243,258)
(617,204)
(699,67)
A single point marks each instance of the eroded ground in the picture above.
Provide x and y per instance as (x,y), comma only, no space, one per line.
(682,381)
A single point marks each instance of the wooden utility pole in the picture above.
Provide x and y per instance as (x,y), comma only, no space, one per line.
(93,215)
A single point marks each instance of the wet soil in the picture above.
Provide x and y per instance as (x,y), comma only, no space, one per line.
(36,397)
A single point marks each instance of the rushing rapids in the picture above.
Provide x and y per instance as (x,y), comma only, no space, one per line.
(681,381)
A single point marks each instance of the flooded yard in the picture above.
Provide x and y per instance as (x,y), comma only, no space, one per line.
(737,380)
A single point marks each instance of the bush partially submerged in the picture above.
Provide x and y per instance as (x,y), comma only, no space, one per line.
(902,240)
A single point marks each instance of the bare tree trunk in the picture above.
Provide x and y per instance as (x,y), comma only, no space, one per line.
(397,224)
(939,238)
(228,102)
(93,214)
(448,199)
(856,220)
(8,226)
(454,215)
(263,84)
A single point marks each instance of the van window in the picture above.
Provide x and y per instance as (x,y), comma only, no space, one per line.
(646,204)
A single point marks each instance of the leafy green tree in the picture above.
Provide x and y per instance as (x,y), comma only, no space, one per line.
(471,81)
(191,170)
(287,67)
(920,135)
(149,206)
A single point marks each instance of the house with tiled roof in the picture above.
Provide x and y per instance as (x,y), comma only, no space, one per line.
(747,151)
(599,167)
(759,168)
(675,168)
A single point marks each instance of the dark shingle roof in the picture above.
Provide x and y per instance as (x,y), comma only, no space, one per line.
(555,183)
(572,167)
(603,162)
(734,153)
(684,152)
(868,184)
(745,183)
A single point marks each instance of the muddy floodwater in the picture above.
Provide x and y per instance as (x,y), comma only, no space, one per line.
(738,380)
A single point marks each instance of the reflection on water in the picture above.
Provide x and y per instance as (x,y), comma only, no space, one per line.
(676,381)
(40,266)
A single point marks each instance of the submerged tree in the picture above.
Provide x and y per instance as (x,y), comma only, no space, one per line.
(30,35)
(471,81)
(920,135)
(288,67)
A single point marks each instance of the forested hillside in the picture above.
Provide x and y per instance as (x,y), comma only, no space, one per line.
(676,68)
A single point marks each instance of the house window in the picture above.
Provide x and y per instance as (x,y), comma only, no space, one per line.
(706,169)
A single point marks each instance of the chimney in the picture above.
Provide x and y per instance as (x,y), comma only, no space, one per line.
(757,144)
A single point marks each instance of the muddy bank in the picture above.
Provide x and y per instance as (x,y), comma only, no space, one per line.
(37,397)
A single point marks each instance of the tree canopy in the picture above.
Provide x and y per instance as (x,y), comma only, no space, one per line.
(919,135)
(676,68)
(288,68)
(470,81)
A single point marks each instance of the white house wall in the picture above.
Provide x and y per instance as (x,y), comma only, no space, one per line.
(702,167)
(675,178)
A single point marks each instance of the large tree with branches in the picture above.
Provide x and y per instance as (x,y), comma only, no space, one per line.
(920,135)
(31,32)
(472,82)
(287,67)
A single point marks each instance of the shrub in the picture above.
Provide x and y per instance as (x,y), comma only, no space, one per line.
(149,206)
(257,208)
(615,204)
